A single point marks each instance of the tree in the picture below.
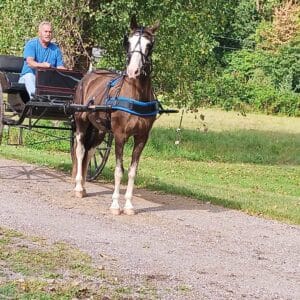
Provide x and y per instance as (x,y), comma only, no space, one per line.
(20,19)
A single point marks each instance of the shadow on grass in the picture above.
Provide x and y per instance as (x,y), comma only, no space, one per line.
(163,199)
(142,182)
(167,197)
(32,173)
(175,203)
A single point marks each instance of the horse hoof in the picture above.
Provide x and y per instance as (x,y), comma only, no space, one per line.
(129,211)
(80,194)
(115,211)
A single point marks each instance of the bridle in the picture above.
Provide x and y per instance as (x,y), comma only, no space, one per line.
(146,57)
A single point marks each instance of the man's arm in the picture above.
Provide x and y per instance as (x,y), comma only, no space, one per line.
(33,64)
(30,55)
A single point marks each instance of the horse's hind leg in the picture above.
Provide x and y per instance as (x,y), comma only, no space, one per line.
(139,144)
(94,138)
(119,171)
(89,142)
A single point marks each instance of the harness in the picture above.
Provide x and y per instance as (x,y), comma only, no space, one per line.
(129,105)
(132,106)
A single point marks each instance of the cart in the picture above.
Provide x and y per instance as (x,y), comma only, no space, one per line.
(53,100)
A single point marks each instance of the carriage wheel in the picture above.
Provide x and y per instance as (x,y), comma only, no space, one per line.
(1,113)
(100,158)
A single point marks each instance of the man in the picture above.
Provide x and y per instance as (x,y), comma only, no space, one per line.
(40,52)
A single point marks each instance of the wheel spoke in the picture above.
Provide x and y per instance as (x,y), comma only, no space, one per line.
(102,152)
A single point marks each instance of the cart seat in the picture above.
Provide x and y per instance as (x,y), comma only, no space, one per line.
(10,63)
(14,85)
(10,69)
(51,83)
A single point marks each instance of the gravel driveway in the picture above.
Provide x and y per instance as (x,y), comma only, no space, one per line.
(186,249)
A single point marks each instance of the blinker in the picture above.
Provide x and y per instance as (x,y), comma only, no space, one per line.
(125,41)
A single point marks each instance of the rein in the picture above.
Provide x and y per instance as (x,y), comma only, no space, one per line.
(67,76)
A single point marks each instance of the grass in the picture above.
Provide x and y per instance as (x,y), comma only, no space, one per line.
(239,146)
(251,163)
(31,268)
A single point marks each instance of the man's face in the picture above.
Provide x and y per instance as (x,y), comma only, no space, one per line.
(45,34)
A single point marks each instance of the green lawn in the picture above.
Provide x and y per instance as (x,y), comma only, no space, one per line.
(251,163)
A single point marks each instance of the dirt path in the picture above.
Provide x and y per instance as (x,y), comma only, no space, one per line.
(187,250)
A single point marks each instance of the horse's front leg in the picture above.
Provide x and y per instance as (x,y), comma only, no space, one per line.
(139,144)
(119,171)
(79,152)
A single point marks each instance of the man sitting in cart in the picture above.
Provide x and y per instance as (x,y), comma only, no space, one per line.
(40,52)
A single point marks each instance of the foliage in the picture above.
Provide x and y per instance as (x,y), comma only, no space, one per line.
(265,78)
(184,42)
(207,52)
(247,18)
(283,28)
(26,16)
(257,80)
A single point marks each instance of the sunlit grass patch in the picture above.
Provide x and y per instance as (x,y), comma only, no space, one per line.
(31,258)
(219,120)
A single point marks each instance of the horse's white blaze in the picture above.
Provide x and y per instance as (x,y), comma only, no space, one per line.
(130,186)
(137,45)
(79,154)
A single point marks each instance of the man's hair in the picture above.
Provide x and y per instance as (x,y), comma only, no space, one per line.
(44,23)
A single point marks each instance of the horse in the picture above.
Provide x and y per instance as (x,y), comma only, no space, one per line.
(98,86)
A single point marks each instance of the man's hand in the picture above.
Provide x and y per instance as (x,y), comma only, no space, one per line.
(44,65)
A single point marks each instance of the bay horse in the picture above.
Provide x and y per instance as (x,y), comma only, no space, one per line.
(100,85)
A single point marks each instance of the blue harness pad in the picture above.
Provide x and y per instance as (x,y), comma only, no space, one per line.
(138,108)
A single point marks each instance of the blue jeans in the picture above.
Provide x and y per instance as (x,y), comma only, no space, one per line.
(29,80)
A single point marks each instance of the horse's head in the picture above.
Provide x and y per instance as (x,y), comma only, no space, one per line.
(139,45)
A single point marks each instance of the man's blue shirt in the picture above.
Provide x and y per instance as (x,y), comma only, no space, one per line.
(34,49)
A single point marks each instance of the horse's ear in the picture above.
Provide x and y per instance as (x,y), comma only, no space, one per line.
(133,23)
(154,27)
